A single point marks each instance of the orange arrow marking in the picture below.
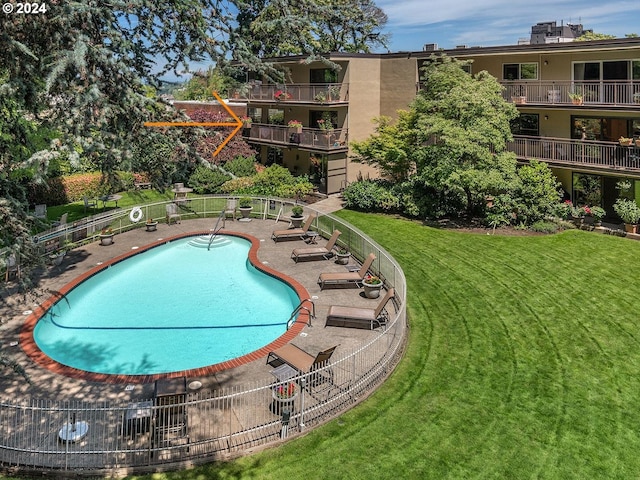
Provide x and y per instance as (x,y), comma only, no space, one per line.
(237,124)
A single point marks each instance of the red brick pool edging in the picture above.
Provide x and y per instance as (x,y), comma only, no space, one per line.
(30,348)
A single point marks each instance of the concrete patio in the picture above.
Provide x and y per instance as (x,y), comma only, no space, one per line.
(47,385)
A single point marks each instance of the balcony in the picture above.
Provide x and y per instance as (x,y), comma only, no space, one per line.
(600,157)
(311,139)
(623,94)
(309,93)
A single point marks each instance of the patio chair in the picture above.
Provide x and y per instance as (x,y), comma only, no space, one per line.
(231,208)
(310,252)
(360,317)
(89,203)
(62,221)
(13,267)
(172,213)
(41,211)
(293,233)
(298,359)
(346,278)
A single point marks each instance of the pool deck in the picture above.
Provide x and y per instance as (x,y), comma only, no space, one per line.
(48,385)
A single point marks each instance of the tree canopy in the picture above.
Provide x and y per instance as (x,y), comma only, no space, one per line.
(451,143)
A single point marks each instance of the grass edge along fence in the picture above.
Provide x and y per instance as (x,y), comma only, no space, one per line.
(123,438)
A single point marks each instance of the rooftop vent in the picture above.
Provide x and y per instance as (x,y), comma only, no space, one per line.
(429,47)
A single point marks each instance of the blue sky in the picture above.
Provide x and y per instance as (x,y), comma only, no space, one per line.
(412,23)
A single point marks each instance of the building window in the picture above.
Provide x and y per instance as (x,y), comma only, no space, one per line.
(520,71)
(526,124)
(587,189)
(323,75)
(326,116)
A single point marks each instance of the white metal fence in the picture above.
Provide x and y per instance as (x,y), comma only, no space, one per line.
(82,438)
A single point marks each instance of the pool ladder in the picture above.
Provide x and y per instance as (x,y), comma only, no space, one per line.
(301,306)
(215,230)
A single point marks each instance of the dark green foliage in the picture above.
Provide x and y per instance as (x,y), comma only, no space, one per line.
(545,227)
(241,166)
(206,180)
(273,181)
(370,196)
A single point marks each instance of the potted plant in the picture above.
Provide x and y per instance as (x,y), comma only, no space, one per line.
(320,97)
(342,256)
(578,214)
(636,97)
(629,212)
(281,95)
(576,98)
(151,225)
(106,236)
(245,205)
(295,126)
(284,395)
(598,214)
(625,141)
(333,93)
(286,392)
(372,286)
(246,121)
(296,216)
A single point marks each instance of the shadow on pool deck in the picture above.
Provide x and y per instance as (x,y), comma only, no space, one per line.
(48,385)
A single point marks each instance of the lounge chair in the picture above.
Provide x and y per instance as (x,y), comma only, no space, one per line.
(41,211)
(346,278)
(298,359)
(172,213)
(295,233)
(357,317)
(324,252)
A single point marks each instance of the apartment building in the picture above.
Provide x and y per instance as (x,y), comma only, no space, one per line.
(576,99)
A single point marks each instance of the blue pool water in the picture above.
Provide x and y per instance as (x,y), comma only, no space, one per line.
(171,308)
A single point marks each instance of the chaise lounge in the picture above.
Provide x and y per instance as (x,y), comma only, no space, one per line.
(297,358)
(295,233)
(357,317)
(346,278)
(324,252)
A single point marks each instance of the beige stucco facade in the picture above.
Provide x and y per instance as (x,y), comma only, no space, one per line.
(380,84)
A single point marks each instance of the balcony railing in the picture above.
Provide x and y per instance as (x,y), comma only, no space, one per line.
(309,139)
(619,93)
(318,93)
(577,153)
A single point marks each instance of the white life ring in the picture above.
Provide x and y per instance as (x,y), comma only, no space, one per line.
(136,214)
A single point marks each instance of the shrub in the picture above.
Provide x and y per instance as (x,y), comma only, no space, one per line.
(627,210)
(296,211)
(245,202)
(544,227)
(241,166)
(370,196)
(206,180)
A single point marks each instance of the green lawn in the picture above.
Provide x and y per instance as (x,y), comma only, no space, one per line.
(129,199)
(523,362)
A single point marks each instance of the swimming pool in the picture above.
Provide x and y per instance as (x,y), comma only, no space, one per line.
(174,307)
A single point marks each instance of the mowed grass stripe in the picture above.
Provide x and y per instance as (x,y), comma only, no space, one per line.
(522,362)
